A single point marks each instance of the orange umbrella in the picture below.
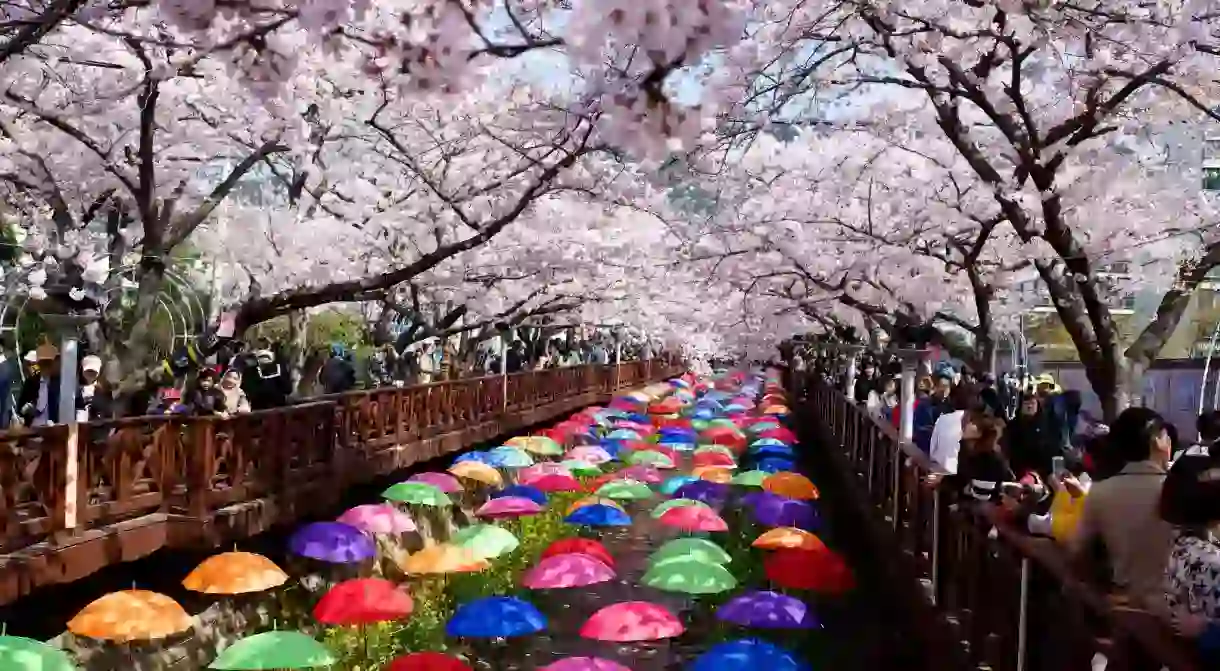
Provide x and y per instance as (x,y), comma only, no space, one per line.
(235,573)
(789,538)
(713,474)
(443,558)
(130,615)
(791,485)
(479,472)
(589,501)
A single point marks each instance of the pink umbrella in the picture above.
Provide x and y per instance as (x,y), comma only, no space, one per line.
(585,664)
(590,453)
(632,621)
(442,481)
(643,473)
(694,518)
(642,429)
(378,518)
(556,483)
(567,570)
(508,506)
(526,475)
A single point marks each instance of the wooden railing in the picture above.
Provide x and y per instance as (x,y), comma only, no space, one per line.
(185,469)
(1011,599)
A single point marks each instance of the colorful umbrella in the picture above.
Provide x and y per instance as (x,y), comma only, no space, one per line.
(642,473)
(522,491)
(624,434)
(767,610)
(274,650)
(485,541)
(693,518)
(428,661)
(747,654)
(442,481)
(583,546)
(527,476)
(672,484)
(783,434)
(378,518)
(479,472)
(699,549)
(508,506)
(591,501)
(626,490)
(585,664)
(495,617)
(714,460)
(567,570)
(789,538)
(556,483)
(718,449)
(775,465)
(363,601)
(332,542)
(537,445)
(590,453)
(665,506)
(18,653)
(769,442)
(772,452)
(716,474)
(822,572)
(235,573)
(650,458)
(777,511)
(775,410)
(598,515)
(130,615)
(689,576)
(441,559)
(711,493)
(581,468)
(419,493)
(510,456)
(749,478)
(631,621)
(479,456)
(791,485)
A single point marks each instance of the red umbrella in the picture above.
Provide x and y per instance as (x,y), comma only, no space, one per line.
(669,406)
(723,435)
(596,483)
(673,423)
(556,483)
(783,434)
(363,601)
(822,572)
(428,661)
(718,459)
(579,546)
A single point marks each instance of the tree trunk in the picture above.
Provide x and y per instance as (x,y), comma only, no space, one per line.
(298,330)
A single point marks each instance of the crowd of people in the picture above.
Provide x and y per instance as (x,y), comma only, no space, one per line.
(1135,506)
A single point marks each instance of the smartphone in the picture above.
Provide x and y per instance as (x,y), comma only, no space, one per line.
(1058,467)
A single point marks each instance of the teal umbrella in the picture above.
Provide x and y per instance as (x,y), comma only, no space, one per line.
(18,653)
(274,650)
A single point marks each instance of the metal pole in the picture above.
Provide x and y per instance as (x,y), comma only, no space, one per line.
(504,369)
(906,423)
(1207,364)
(935,544)
(1023,617)
(851,377)
(67,415)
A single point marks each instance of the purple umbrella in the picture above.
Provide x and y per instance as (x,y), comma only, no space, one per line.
(755,498)
(781,512)
(442,481)
(711,493)
(768,610)
(332,542)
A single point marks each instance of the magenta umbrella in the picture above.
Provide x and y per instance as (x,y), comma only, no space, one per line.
(508,506)
(540,470)
(643,473)
(378,518)
(585,664)
(693,518)
(442,481)
(632,621)
(567,570)
(590,453)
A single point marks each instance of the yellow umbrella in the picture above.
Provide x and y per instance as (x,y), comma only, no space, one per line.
(543,445)
(791,485)
(443,558)
(235,573)
(477,471)
(713,474)
(590,501)
(789,538)
(130,615)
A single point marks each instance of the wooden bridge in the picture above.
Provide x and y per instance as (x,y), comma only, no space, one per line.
(981,593)
(144,483)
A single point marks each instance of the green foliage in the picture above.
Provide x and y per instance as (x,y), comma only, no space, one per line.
(324,328)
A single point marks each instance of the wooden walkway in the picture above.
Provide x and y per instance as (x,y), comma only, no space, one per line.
(146,483)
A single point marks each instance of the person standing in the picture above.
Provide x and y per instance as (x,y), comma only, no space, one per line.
(39,400)
(9,377)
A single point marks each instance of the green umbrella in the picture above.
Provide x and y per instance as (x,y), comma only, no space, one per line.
(689,576)
(700,424)
(274,650)
(750,478)
(581,468)
(723,423)
(650,458)
(665,506)
(486,541)
(762,426)
(703,449)
(624,489)
(419,493)
(697,549)
(18,653)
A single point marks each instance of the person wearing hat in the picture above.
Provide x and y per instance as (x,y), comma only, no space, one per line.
(94,399)
(1190,501)
(39,400)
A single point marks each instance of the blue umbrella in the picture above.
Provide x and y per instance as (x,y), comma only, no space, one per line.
(768,610)
(677,435)
(711,493)
(481,457)
(332,542)
(510,457)
(623,434)
(764,451)
(639,418)
(775,465)
(673,484)
(705,413)
(598,515)
(734,408)
(747,653)
(495,617)
(523,491)
(612,446)
(761,442)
